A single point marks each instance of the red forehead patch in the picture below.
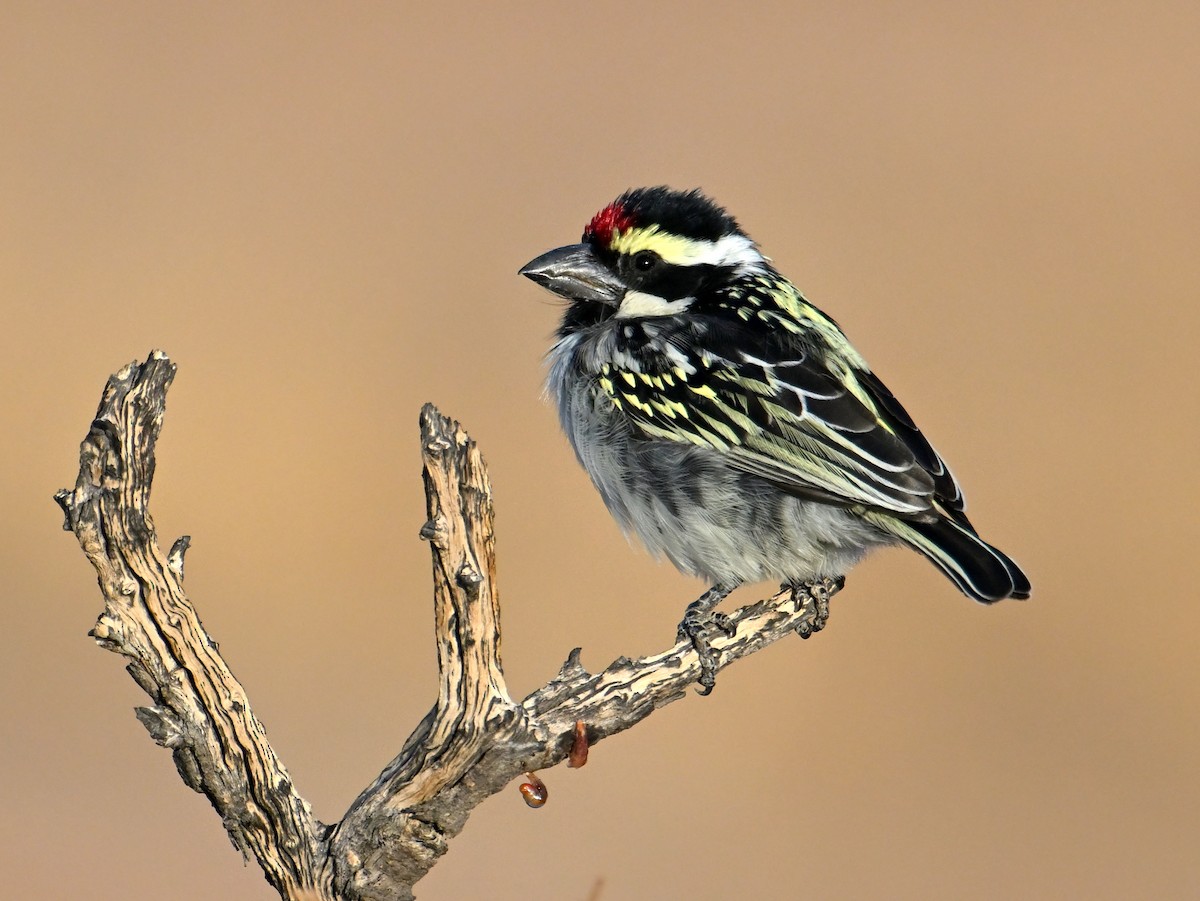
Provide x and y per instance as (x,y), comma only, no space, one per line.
(614,217)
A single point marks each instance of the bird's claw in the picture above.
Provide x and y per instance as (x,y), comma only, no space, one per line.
(695,628)
(814,597)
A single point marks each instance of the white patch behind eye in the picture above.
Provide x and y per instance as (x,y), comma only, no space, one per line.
(638,303)
(732,250)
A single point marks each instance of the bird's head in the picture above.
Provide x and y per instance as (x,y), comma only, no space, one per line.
(651,252)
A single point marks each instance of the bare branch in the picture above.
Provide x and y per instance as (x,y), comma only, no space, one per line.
(200,710)
(473,709)
(473,742)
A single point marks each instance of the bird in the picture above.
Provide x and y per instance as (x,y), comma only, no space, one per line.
(729,423)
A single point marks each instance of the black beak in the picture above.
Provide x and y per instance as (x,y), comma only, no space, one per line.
(576,273)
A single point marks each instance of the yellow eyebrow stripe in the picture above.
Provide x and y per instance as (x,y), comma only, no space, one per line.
(673,249)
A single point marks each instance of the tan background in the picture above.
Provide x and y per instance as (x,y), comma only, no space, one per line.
(318,211)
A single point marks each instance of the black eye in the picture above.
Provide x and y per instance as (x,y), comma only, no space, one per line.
(645,260)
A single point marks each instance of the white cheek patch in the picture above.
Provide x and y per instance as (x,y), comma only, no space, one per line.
(637,304)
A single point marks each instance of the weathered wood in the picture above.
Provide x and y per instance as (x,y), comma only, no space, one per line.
(473,742)
(200,711)
(473,710)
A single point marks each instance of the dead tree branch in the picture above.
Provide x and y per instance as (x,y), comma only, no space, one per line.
(474,741)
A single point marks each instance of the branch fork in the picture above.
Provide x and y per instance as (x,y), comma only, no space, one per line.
(473,742)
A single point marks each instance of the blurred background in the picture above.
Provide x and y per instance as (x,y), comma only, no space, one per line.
(318,211)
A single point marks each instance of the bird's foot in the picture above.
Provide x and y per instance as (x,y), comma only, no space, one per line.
(814,596)
(699,620)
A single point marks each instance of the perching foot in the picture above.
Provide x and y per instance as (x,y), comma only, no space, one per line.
(698,621)
(814,596)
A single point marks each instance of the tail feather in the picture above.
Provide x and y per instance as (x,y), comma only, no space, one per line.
(979,570)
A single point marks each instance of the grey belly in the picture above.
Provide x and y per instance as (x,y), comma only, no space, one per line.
(708,518)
